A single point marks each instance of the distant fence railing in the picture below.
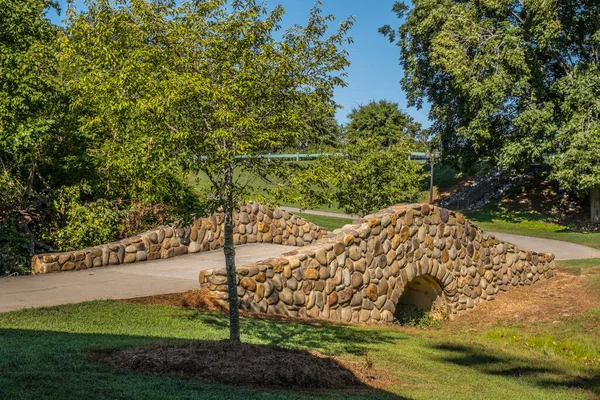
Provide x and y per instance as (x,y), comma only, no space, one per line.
(414,156)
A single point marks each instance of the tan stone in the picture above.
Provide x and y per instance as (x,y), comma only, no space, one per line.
(371,292)
(248,284)
(345,295)
(338,248)
(348,240)
(357,279)
(68,266)
(321,256)
(332,299)
(311,273)
(354,253)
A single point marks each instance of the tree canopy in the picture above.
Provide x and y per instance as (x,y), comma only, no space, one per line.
(29,95)
(372,176)
(384,121)
(510,82)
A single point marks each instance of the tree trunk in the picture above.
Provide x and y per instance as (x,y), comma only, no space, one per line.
(595,204)
(229,250)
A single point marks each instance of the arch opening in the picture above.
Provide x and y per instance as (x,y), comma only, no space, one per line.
(422,298)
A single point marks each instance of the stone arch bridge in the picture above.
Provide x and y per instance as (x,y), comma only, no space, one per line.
(402,259)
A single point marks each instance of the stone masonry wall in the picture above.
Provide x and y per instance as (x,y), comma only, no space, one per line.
(253,223)
(359,272)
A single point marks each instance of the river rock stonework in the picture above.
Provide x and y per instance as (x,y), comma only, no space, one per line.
(253,223)
(368,271)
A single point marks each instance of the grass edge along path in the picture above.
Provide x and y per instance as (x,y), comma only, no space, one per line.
(534,227)
(327,222)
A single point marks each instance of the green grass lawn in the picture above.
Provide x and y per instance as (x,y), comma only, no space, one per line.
(329,223)
(529,223)
(44,354)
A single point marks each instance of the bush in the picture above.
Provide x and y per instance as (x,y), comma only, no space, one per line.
(86,223)
(372,177)
(14,254)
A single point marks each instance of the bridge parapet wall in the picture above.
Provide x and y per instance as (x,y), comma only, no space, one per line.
(359,273)
(253,223)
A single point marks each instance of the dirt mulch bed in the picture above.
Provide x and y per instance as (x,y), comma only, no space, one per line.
(198,299)
(565,295)
(244,364)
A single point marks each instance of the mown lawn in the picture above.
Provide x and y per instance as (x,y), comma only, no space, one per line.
(329,223)
(529,223)
(44,354)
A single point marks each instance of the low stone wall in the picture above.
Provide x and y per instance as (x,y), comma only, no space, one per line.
(408,255)
(253,223)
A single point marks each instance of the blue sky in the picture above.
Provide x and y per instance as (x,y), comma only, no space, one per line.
(374,74)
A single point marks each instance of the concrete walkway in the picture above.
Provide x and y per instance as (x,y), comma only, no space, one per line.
(123,281)
(562,250)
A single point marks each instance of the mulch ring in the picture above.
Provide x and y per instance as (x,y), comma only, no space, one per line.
(201,299)
(244,364)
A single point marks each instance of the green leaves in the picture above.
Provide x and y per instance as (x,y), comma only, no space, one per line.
(28,88)
(384,122)
(372,177)
(161,87)
(501,76)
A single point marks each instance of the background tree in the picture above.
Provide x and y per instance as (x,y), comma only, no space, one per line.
(30,112)
(509,82)
(372,176)
(203,83)
(382,120)
(323,133)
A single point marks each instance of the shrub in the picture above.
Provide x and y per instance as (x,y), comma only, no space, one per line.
(86,223)
(14,254)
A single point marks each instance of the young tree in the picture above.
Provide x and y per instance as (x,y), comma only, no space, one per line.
(512,82)
(384,121)
(211,84)
(372,176)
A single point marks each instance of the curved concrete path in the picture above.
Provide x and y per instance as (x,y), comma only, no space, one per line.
(123,281)
(562,250)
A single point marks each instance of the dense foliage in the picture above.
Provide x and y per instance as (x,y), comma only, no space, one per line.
(372,176)
(67,179)
(30,113)
(510,82)
(385,122)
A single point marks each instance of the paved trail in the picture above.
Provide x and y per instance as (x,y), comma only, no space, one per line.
(123,281)
(562,250)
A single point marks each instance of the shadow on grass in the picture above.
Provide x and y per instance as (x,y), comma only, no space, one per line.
(319,335)
(56,365)
(517,368)
(494,211)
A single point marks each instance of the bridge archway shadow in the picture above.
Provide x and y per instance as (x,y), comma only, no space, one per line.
(421,297)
